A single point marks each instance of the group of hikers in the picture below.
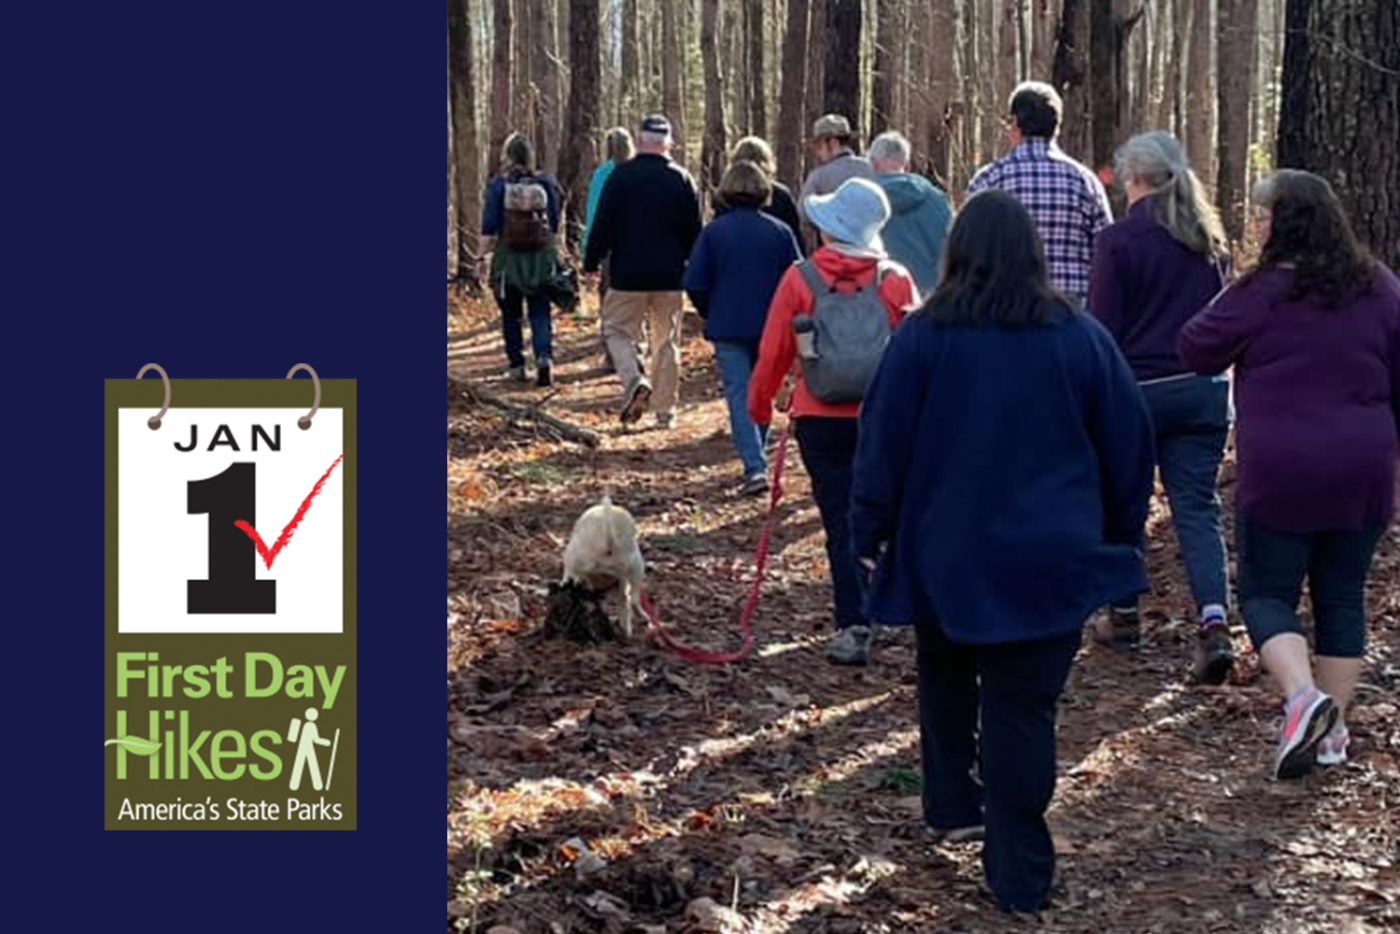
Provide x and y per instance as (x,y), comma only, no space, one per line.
(983,404)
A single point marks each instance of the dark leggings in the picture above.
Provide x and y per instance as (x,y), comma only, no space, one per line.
(1272,567)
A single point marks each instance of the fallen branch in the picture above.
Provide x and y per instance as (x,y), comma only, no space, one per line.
(534,413)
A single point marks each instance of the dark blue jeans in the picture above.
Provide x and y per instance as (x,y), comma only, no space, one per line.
(828,447)
(1191,419)
(512,305)
(1272,568)
(987,741)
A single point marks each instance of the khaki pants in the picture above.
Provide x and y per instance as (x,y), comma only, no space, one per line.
(627,318)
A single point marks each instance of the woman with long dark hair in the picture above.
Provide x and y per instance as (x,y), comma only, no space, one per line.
(1001,485)
(1313,334)
(1152,272)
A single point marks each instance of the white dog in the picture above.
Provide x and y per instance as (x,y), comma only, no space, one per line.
(602,554)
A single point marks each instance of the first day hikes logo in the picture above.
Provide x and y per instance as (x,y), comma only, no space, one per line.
(230,603)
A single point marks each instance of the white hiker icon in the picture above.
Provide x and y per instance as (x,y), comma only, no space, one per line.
(307,738)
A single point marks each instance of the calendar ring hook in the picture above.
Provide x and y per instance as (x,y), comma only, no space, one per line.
(154,421)
(305,421)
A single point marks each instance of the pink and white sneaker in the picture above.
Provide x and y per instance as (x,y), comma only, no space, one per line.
(1308,716)
(1333,748)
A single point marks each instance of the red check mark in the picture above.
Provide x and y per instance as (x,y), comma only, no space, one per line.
(268,554)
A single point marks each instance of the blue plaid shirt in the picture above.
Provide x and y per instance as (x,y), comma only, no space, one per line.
(1066,199)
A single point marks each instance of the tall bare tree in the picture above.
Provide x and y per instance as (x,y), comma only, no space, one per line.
(466,151)
(942,90)
(544,75)
(629,98)
(1200,91)
(502,62)
(756,83)
(841,75)
(792,116)
(1341,109)
(816,70)
(1071,76)
(1238,35)
(579,153)
(712,150)
(883,81)
(672,64)
(1110,29)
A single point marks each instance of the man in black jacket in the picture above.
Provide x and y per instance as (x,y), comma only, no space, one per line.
(648,218)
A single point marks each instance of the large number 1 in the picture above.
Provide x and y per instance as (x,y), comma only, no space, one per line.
(232,586)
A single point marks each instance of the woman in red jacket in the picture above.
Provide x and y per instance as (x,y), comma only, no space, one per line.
(850,259)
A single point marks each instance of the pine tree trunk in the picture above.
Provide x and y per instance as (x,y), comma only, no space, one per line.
(883,80)
(919,101)
(816,73)
(502,62)
(672,61)
(1007,51)
(942,90)
(792,115)
(1200,92)
(712,151)
(629,95)
(841,75)
(544,61)
(466,151)
(1161,80)
(1071,76)
(579,153)
(522,52)
(988,76)
(757,71)
(1238,33)
(1341,113)
(1044,26)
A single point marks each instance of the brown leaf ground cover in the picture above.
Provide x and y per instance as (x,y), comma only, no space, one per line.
(606,788)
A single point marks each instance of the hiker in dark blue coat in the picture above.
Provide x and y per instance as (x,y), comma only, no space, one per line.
(733,271)
(1002,480)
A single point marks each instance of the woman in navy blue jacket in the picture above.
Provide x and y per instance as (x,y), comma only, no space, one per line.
(1001,485)
(733,271)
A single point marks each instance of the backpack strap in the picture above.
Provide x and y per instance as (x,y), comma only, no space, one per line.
(808,269)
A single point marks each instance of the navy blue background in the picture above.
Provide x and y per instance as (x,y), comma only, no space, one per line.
(225,189)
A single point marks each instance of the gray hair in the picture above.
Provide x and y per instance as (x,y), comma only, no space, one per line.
(1155,159)
(654,140)
(893,146)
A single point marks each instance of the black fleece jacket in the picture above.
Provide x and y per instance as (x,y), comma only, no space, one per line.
(648,219)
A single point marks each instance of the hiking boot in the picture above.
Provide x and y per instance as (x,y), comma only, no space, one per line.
(1120,629)
(517,374)
(635,402)
(1215,654)
(754,485)
(1333,748)
(543,372)
(1307,718)
(850,646)
(665,420)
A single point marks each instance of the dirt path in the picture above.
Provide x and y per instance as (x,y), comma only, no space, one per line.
(788,788)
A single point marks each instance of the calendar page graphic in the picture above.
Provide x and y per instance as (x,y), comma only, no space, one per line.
(230,604)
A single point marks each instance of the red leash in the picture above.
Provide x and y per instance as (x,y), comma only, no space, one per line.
(690,653)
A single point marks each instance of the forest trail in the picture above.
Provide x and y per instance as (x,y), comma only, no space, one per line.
(788,787)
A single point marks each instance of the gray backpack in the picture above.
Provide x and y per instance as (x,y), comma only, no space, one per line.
(841,344)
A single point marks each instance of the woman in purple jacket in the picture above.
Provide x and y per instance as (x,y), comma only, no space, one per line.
(1314,336)
(1153,271)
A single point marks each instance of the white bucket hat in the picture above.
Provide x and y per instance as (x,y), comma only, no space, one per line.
(853,213)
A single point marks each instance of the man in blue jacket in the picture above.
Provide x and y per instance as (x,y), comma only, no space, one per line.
(920,214)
